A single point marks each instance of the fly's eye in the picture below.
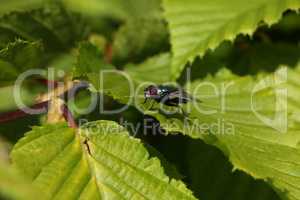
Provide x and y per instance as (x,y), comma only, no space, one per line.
(153,91)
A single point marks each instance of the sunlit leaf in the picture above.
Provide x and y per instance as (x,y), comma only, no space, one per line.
(248,122)
(199,25)
(98,161)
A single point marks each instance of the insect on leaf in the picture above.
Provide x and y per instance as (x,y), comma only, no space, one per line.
(114,165)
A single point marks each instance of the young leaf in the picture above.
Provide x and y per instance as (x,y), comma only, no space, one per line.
(99,161)
(247,122)
(200,25)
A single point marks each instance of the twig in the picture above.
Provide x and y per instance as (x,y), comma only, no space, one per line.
(108,53)
(68,116)
(8,116)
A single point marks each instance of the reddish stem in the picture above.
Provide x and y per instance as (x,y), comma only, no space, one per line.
(108,54)
(8,116)
(68,116)
(47,82)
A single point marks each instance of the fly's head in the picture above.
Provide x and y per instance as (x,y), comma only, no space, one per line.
(152,92)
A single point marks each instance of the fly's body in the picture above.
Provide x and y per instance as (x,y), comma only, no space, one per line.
(166,94)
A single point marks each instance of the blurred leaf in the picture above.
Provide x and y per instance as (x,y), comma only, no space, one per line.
(143,32)
(64,62)
(289,23)
(113,165)
(138,39)
(57,28)
(245,57)
(15,187)
(5,148)
(18,57)
(90,59)
(19,5)
(253,58)
(28,94)
(116,8)
(197,26)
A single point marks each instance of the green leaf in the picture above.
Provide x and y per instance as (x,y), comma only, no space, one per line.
(12,184)
(199,25)
(137,39)
(19,5)
(210,174)
(64,62)
(254,145)
(112,166)
(18,57)
(15,187)
(28,96)
(157,66)
(263,57)
(116,8)
(90,60)
(57,28)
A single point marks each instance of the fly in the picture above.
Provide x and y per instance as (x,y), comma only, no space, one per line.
(167,94)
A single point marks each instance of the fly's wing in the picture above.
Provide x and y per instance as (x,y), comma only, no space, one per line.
(182,96)
(178,96)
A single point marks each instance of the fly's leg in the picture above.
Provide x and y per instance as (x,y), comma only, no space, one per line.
(145,100)
(151,106)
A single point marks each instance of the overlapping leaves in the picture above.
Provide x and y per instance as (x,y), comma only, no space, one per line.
(118,166)
(243,121)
